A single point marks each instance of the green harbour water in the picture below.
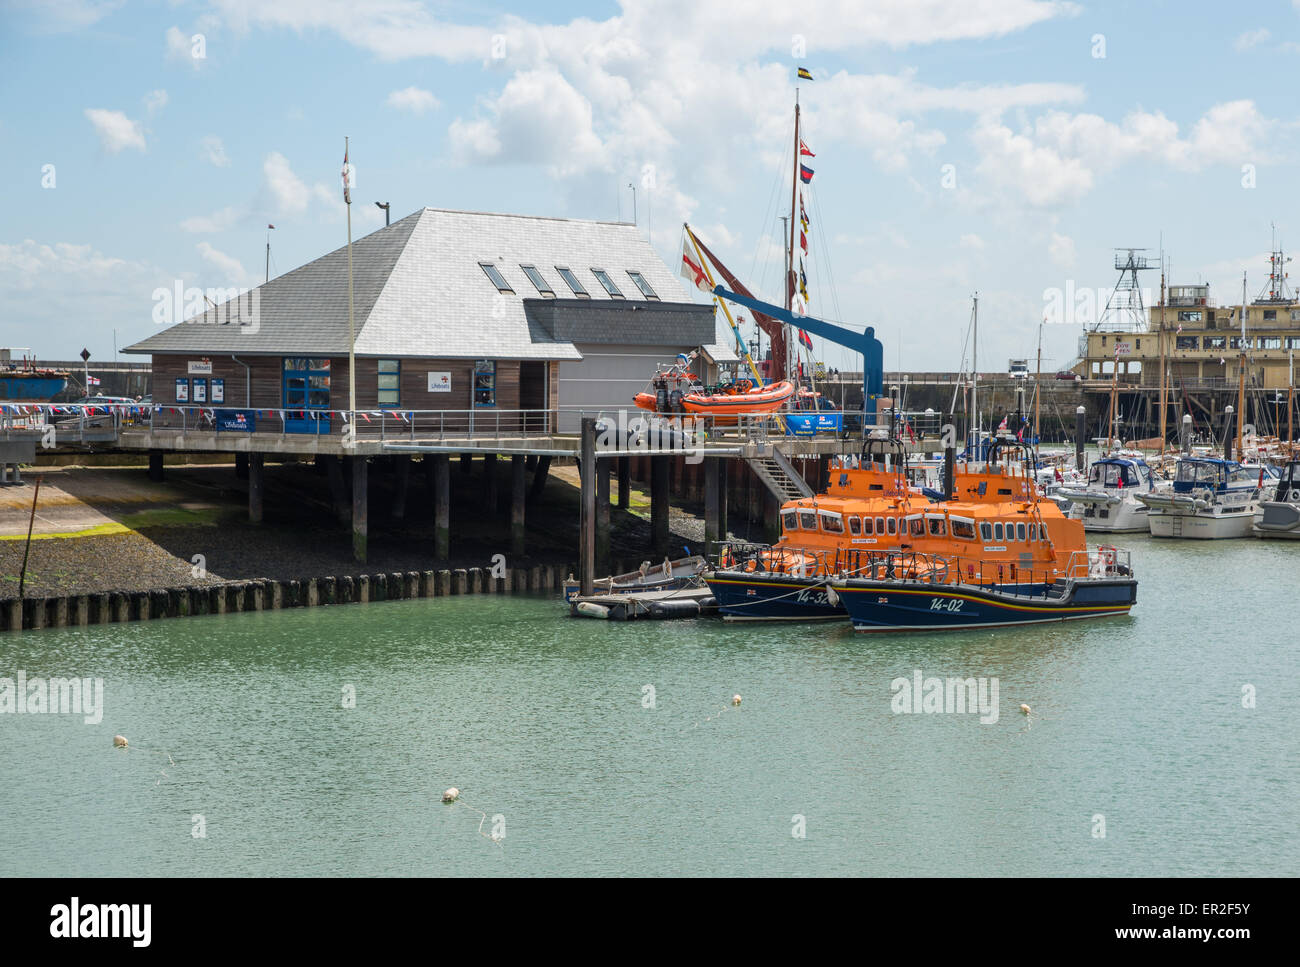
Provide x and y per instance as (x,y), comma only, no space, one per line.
(540,719)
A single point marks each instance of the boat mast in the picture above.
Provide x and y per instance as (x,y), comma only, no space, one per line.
(1114,389)
(790,286)
(1241,369)
(1164,392)
(975,368)
(1038,385)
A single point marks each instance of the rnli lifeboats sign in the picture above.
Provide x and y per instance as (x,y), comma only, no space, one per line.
(440,382)
(200,367)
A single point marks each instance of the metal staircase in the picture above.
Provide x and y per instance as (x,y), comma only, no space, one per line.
(779,476)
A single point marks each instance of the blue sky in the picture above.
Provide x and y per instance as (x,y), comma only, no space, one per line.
(168,166)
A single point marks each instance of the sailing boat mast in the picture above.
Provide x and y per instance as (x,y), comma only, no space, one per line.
(1241,370)
(1038,383)
(791,285)
(1164,392)
(975,368)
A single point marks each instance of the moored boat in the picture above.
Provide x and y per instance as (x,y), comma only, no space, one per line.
(1211,499)
(935,594)
(1109,501)
(1280,517)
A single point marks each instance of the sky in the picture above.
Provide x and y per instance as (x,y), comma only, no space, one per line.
(1005,147)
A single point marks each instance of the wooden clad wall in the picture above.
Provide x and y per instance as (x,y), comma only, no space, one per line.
(266,379)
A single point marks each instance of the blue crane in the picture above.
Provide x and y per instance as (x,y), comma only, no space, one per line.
(865,343)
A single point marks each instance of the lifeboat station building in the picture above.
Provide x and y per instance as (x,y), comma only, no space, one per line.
(470,332)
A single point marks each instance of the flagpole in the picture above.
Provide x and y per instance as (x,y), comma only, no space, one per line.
(352,360)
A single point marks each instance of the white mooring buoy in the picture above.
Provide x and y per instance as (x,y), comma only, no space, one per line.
(119,741)
(451,795)
(735,700)
(1024,709)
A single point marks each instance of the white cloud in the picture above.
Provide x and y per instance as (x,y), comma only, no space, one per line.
(413,99)
(116,131)
(218,221)
(1250,38)
(539,118)
(55,16)
(1060,249)
(289,192)
(155,101)
(214,151)
(231,268)
(180,48)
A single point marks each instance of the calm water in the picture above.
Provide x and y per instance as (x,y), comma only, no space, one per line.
(539,719)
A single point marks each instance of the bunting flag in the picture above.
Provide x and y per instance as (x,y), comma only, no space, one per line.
(803,283)
(691,267)
(803,241)
(804,149)
(805,338)
(805,74)
(805,174)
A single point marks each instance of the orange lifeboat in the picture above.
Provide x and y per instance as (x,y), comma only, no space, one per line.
(755,399)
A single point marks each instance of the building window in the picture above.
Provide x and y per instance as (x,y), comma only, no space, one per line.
(1295,315)
(643,285)
(1187,315)
(572,282)
(1186,342)
(1214,342)
(1236,342)
(1270,315)
(1293,342)
(495,277)
(485,382)
(1270,342)
(387,382)
(1137,343)
(538,282)
(603,278)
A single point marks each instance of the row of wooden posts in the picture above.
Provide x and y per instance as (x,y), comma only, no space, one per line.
(265,594)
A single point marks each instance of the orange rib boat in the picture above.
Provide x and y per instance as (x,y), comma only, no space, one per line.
(744,398)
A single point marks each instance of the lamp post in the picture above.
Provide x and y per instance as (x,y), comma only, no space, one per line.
(385,206)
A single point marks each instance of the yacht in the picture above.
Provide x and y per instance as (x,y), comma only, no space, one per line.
(1109,501)
(1211,498)
(1280,517)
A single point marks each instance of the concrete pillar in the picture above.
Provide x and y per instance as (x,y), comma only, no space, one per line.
(710,503)
(255,487)
(156,465)
(1185,434)
(241,466)
(402,470)
(659,504)
(360,517)
(602,516)
(490,483)
(442,505)
(624,482)
(518,496)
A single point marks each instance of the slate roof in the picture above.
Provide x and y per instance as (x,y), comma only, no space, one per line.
(419,290)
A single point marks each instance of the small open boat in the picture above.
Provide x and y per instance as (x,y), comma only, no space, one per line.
(667,576)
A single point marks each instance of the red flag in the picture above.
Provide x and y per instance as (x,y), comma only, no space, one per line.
(805,150)
(805,174)
(803,241)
